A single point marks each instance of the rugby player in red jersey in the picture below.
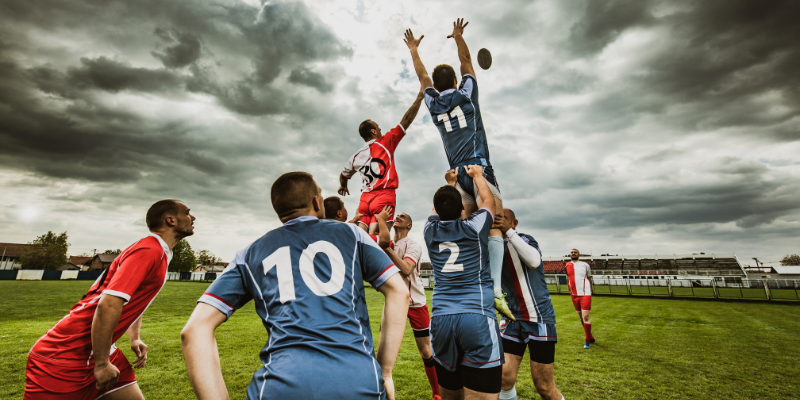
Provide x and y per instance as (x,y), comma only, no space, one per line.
(77,359)
(375,162)
(579,281)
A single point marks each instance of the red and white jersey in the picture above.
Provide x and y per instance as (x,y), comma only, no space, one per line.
(136,275)
(375,162)
(578,273)
(408,249)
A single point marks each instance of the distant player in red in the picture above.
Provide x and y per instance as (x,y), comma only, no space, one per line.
(77,359)
(375,162)
(579,280)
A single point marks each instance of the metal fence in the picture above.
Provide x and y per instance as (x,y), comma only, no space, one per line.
(715,287)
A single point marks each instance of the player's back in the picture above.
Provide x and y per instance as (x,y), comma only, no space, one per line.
(460,258)
(306,280)
(457,116)
(528,297)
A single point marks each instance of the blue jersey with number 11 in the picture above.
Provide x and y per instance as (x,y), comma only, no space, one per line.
(306,279)
(457,115)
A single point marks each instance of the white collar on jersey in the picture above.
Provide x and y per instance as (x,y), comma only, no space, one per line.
(447,91)
(164,246)
(297,220)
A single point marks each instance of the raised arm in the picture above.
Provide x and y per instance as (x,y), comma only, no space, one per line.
(408,118)
(383,231)
(393,324)
(404,265)
(463,50)
(201,354)
(422,74)
(476,173)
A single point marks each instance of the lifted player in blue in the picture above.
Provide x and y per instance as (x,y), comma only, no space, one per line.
(464,333)
(529,300)
(457,115)
(307,281)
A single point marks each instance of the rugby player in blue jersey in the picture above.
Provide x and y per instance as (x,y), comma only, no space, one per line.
(464,332)
(456,113)
(529,301)
(306,280)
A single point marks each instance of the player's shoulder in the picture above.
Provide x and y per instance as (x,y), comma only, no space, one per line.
(470,77)
(528,239)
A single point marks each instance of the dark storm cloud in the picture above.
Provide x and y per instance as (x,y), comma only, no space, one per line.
(304,76)
(185,52)
(57,119)
(719,58)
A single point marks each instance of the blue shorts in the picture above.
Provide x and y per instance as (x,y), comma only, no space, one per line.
(308,373)
(523,331)
(472,340)
(466,186)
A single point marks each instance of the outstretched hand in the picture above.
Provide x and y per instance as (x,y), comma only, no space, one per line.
(343,191)
(410,41)
(474,171)
(451,176)
(383,216)
(458,28)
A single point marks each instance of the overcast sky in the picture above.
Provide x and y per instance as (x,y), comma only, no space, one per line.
(623,127)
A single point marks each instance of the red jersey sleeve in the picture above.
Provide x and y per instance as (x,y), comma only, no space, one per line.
(392,138)
(132,271)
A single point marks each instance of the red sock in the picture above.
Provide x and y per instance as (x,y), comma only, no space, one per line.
(587,328)
(430,370)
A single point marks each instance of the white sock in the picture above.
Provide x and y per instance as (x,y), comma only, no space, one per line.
(510,394)
(496,249)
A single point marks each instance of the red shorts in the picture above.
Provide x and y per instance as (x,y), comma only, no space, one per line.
(70,380)
(420,320)
(582,303)
(373,202)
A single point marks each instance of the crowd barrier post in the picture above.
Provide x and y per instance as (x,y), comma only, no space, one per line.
(669,286)
(628,284)
(766,289)
(713,285)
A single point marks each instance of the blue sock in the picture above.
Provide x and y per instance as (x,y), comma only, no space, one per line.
(496,262)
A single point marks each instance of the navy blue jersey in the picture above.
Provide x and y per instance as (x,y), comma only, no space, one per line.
(307,281)
(526,289)
(459,252)
(457,115)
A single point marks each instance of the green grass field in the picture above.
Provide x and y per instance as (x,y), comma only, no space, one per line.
(647,348)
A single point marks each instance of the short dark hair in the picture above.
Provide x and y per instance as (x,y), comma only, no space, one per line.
(292,191)
(365,129)
(513,215)
(332,206)
(443,76)
(159,210)
(447,202)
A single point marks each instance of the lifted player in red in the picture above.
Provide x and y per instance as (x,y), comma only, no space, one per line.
(77,359)
(375,162)
(579,280)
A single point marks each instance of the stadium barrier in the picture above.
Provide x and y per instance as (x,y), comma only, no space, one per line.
(714,287)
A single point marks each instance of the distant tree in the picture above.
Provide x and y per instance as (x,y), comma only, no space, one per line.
(49,251)
(206,257)
(791,259)
(183,259)
(117,251)
(84,254)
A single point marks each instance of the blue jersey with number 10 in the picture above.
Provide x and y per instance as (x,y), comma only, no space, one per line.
(457,115)
(307,282)
(459,252)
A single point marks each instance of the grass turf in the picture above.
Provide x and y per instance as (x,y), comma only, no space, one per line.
(647,348)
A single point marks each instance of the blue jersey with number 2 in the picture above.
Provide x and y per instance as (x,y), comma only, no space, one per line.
(306,280)
(459,252)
